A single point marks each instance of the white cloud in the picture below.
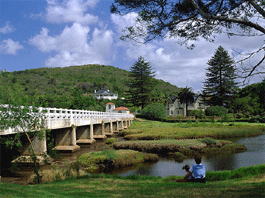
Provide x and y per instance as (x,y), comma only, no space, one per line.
(178,65)
(8,46)
(73,48)
(70,11)
(7,28)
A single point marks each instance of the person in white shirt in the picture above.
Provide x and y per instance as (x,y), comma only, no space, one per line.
(198,171)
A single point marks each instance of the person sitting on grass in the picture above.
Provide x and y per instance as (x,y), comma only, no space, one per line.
(198,171)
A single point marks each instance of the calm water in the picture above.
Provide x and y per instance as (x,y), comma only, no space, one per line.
(253,156)
(165,167)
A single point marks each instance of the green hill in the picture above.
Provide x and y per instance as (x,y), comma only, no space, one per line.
(67,87)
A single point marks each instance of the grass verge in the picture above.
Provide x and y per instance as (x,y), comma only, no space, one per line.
(155,130)
(250,184)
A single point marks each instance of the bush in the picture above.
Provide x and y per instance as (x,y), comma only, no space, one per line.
(208,141)
(228,118)
(154,111)
(216,111)
(111,140)
(197,113)
(258,119)
(179,157)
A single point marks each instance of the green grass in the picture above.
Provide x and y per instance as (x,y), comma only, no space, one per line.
(188,147)
(100,160)
(243,182)
(155,130)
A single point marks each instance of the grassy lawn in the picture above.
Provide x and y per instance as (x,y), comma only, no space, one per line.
(154,130)
(234,184)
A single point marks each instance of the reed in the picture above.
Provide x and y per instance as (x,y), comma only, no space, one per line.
(154,130)
(187,147)
(112,159)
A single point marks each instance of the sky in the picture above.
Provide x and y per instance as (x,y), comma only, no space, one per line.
(62,33)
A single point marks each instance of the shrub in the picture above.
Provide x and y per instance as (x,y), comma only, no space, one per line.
(228,117)
(179,157)
(154,111)
(197,113)
(208,141)
(111,140)
(216,111)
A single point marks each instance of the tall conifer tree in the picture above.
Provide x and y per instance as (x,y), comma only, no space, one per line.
(141,83)
(220,83)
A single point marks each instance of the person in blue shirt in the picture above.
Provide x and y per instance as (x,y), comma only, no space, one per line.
(198,171)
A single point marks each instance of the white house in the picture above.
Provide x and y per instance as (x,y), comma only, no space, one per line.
(105,94)
(110,107)
(175,108)
(121,110)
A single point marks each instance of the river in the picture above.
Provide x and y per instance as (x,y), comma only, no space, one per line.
(254,155)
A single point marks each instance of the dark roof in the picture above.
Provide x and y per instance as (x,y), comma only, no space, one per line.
(104,91)
(172,99)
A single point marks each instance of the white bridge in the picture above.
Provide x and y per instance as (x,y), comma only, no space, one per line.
(55,118)
(71,128)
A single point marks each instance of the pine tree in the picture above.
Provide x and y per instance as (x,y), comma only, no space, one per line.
(141,83)
(220,84)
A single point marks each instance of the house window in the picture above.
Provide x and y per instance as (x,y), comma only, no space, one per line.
(109,106)
(171,112)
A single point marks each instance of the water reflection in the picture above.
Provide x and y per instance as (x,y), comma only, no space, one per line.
(253,156)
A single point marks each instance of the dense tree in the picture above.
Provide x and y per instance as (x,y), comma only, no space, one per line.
(253,97)
(220,83)
(190,19)
(186,96)
(140,83)
(154,111)
(33,88)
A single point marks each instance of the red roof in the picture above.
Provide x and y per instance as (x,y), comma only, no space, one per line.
(122,109)
(110,103)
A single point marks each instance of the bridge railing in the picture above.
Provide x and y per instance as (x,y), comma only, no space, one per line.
(55,113)
(59,118)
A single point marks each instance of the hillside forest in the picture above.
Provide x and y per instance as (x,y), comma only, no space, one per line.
(71,87)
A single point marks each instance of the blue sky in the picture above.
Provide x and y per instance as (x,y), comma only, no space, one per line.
(61,33)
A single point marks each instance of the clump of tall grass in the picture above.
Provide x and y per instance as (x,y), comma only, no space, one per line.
(111,140)
(188,147)
(179,157)
(208,141)
(157,130)
(111,159)
(234,174)
(69,171)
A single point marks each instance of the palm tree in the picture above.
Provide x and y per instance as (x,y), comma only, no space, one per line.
(186,96)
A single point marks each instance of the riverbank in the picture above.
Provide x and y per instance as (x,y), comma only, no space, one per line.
(113,159)
(243,182)
(154,130)
(165,129)
(182,148)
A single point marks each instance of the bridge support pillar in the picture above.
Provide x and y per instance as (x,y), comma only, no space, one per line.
(39,146)
(115,127)
(125,124)
(108,129)
(66,140)
(84,135)
(99,131)
(120,125)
